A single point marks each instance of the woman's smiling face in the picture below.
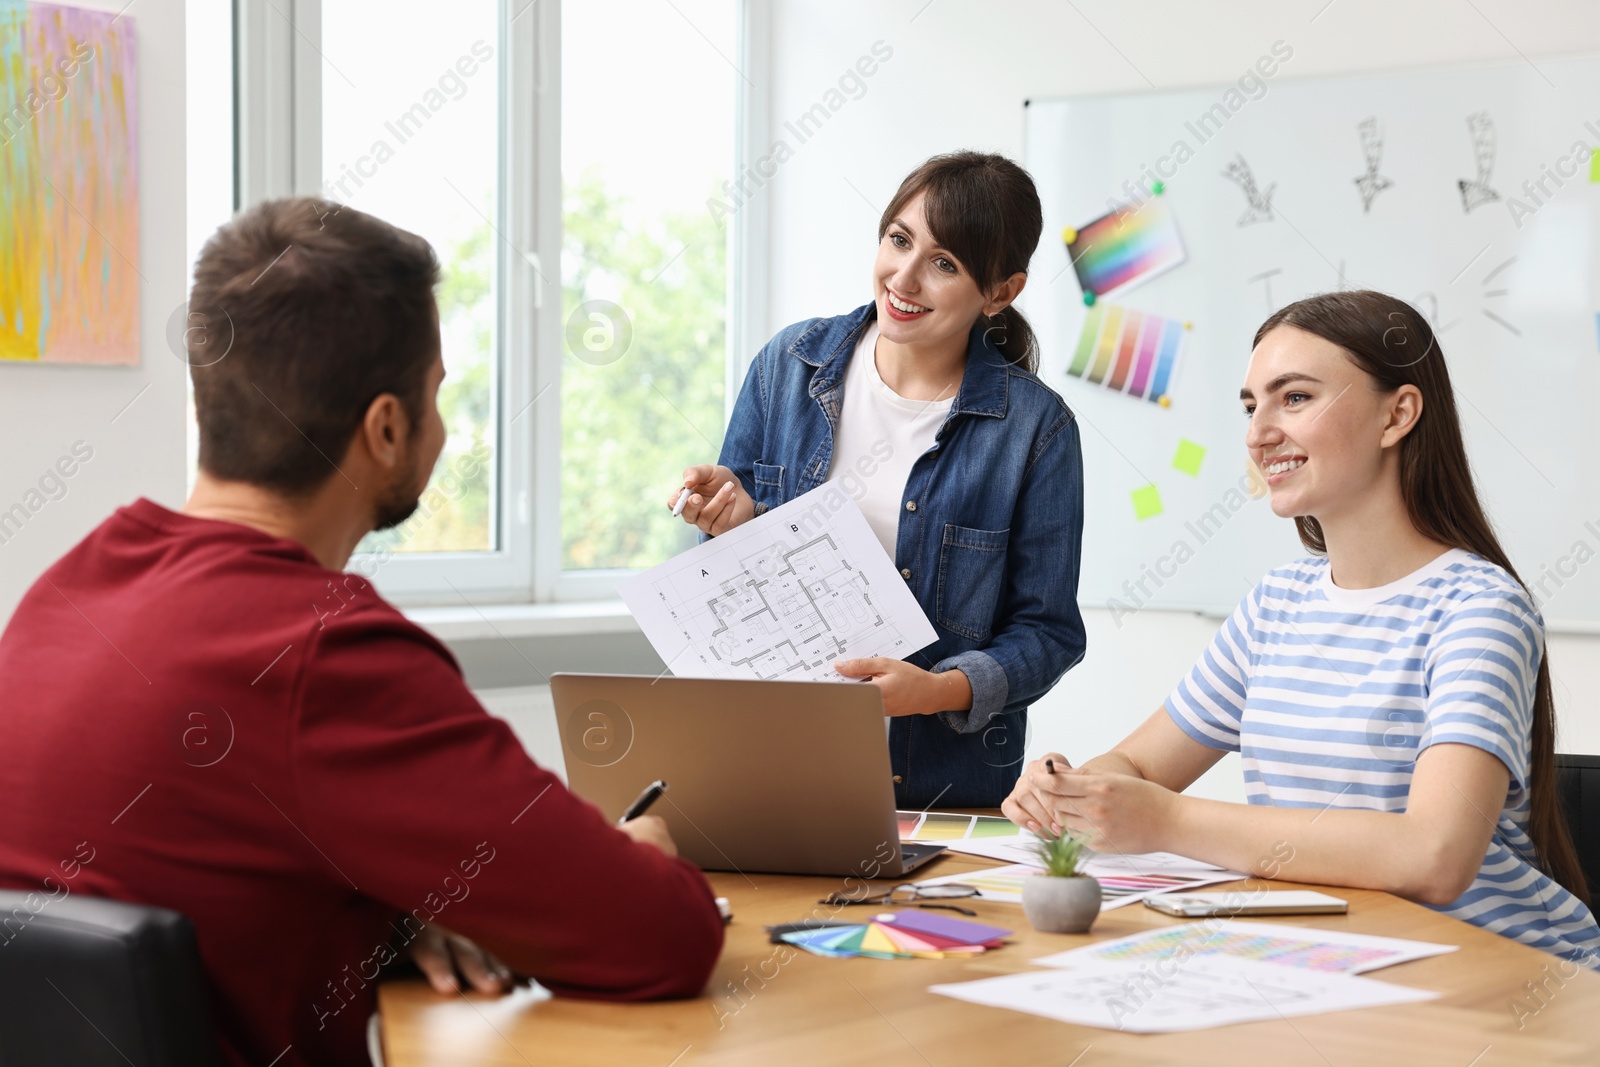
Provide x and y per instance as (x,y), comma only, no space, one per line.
(1317,424)
(924,295)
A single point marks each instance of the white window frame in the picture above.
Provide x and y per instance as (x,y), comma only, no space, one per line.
(279,147)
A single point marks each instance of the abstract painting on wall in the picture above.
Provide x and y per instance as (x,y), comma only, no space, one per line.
(69,191)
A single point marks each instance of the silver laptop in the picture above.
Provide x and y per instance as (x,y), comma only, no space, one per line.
(779,777)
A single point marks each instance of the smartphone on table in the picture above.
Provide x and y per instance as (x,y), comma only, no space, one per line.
(1275,902)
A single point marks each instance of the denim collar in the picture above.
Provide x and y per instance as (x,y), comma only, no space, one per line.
(828,344)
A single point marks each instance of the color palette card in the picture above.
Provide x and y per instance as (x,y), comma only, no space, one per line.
(910,934)
(943,827)
(1125,247)
(1202,993)
(996,883)
(1130,352)
(1290,946)
(1117,888)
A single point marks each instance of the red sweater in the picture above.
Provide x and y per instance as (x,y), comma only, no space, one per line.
(200,716)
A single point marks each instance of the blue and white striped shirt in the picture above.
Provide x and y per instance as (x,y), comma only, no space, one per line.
(1331,694)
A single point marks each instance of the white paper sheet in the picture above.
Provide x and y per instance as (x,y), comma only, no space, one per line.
(1146,862)
(1019,850)
(1278,944)
(1117,889)
(780,597)
(1006,849)
(1196,993)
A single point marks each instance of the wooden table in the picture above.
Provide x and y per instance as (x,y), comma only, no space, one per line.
(770,1004)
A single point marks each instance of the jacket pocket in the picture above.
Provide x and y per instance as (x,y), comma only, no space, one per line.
(972,569)
(768,492)
(767,474)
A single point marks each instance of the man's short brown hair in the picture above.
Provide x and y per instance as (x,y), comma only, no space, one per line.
(319,309)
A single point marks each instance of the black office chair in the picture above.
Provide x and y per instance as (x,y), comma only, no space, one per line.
(100,983)
(1579,784)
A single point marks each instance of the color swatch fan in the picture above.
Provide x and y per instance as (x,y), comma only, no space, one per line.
(901,935)
(1124,247)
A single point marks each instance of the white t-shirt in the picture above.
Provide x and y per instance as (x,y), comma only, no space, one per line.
(881,434)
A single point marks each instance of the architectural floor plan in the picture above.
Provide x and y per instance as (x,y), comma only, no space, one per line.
(780,597)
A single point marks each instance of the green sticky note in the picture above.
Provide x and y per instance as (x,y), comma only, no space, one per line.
(1146,502)
(1594,165)
(1188,457)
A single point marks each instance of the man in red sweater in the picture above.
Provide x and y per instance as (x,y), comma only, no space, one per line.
(203,711)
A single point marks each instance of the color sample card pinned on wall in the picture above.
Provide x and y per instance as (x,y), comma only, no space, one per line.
(69,189)
(1188,457)
(1125,247)
(1130,352)
(1146,502)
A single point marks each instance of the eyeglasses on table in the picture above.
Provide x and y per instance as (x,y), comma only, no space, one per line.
(913,895)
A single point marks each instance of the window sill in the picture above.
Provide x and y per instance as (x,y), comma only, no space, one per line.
(572,619)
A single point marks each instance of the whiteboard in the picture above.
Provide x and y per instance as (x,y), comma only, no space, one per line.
(1509,283)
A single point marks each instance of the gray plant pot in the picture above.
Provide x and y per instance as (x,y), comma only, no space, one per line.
(1061,905)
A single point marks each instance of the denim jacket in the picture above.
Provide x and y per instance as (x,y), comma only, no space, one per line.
(989,540)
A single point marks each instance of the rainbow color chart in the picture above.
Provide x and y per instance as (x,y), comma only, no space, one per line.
(1127,351)
(1124,247)
(1300,952)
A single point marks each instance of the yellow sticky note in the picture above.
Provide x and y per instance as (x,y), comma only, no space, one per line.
(1188,457)
(1594,165)
(1146,502)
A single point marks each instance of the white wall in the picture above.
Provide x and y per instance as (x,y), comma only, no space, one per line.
(958,75)
(132,417)
(957,78)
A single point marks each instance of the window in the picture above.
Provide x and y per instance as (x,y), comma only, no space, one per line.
(209,183)
(647,141)
(563,160)
(410,133)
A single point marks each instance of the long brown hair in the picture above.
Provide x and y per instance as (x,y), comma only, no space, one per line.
(1396,346)
(985,211)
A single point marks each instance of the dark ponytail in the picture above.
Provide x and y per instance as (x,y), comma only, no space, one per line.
(984,210)
(1394,344)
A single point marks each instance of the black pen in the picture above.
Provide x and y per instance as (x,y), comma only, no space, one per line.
(643,802)
(1050,765)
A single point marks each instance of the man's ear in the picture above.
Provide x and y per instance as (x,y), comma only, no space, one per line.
(385,431)
(1405,408)
(1004,293)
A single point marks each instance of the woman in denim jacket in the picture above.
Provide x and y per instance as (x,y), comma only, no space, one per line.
(967,467)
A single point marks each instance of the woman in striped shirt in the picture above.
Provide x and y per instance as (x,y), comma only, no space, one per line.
(1389,695)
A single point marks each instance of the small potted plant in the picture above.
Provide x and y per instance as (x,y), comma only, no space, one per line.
(1059,900)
